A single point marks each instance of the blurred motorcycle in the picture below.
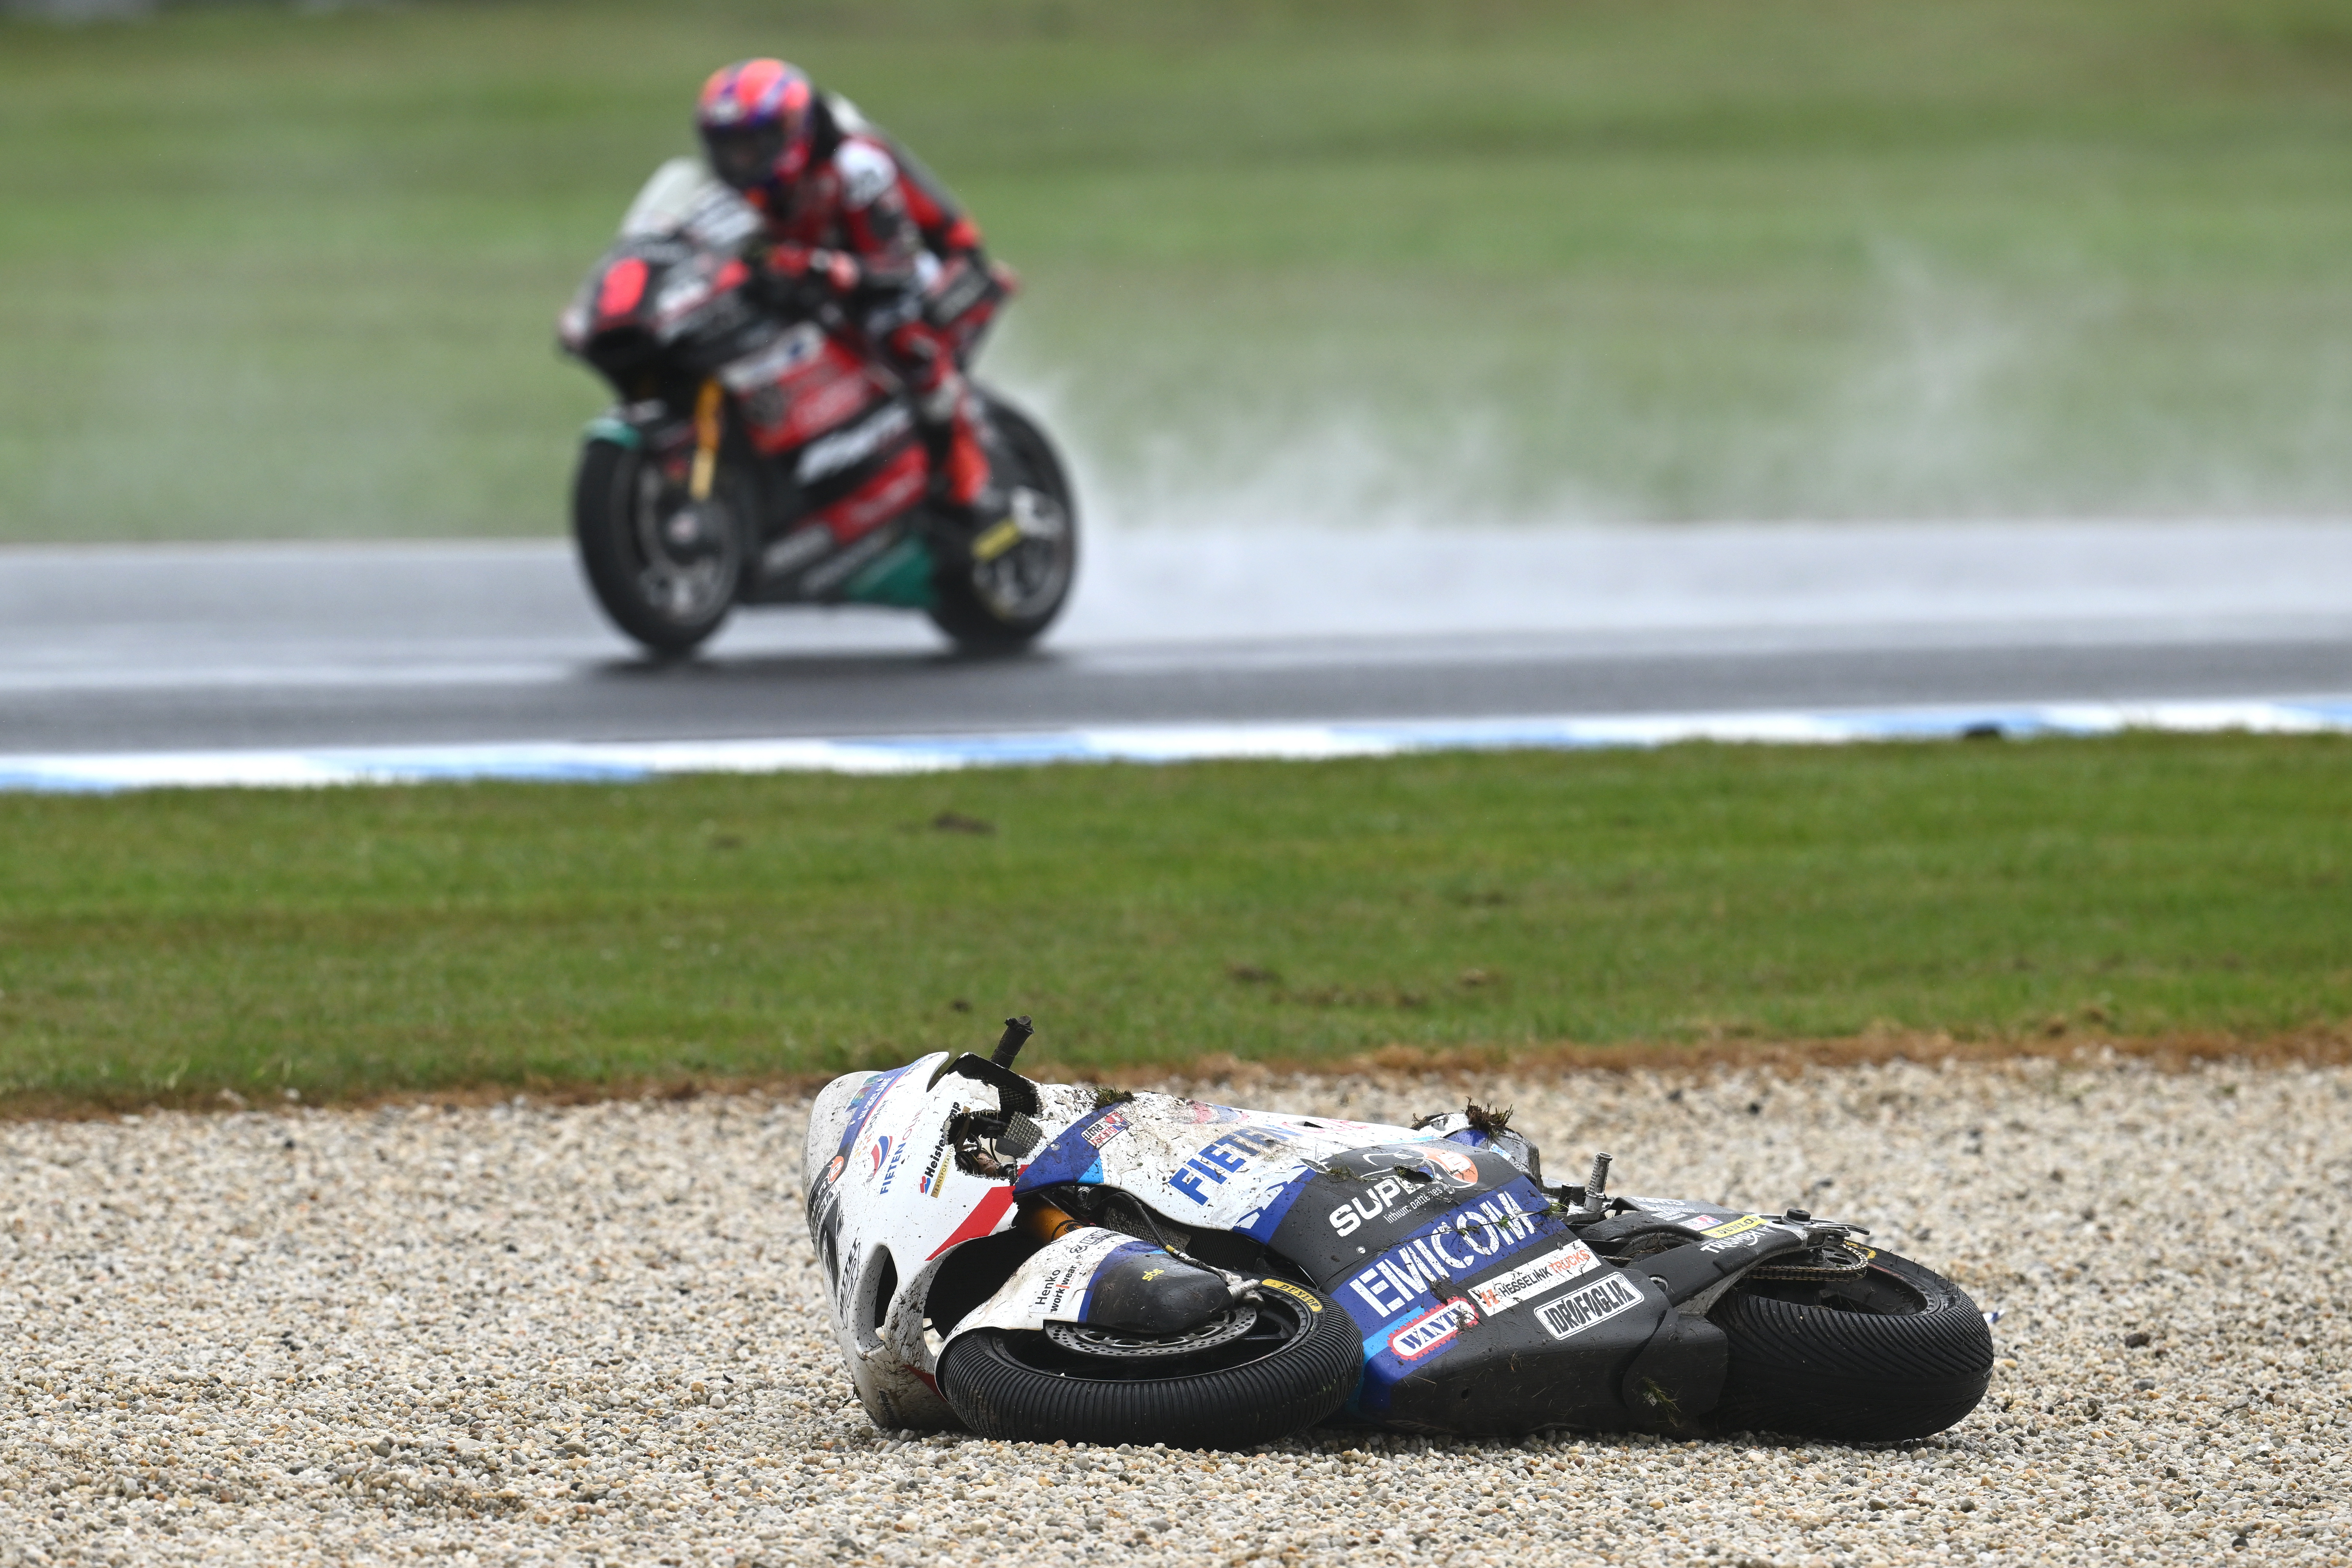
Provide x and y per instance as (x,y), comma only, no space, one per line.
(757,456)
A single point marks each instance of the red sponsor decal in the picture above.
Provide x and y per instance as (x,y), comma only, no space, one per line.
(880,499)
(830,390)
(1432,1329)
(623,286)
(982,1221)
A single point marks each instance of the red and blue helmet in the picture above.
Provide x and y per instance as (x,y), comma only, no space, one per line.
(756,119)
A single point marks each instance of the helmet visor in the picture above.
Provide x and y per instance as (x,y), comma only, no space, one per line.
(745,155)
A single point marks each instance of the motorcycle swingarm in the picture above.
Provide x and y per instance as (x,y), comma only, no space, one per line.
(1699,1265)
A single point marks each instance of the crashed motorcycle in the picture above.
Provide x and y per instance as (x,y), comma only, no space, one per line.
(1047,1261)
(758,455)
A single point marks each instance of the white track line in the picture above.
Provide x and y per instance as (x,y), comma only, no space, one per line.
(625,761)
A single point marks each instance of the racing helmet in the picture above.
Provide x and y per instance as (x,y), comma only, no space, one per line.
(756,121)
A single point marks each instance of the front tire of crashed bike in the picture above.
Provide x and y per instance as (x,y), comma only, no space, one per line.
(1898,1352)
(1264,1386)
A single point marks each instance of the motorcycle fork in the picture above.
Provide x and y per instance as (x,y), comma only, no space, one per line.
(708,405)
(1045,1221)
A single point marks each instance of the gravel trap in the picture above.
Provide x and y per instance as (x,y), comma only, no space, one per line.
(594,1336)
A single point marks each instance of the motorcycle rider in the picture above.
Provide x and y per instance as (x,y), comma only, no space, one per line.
(854,220)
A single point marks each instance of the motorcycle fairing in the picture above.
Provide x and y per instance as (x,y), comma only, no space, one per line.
(1481,1310)
(853,444)
(1074,1279)
(701,296)
(1205,1166)
(893,486)
(1361,1203)
(1453,1314)
(1409,1231)
(1706,1248)
(887,1205)
(760,381)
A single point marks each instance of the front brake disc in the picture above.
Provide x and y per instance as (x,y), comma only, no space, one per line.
(1120,1345)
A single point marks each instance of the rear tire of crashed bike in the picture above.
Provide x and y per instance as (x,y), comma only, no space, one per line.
(1900,1353)
(1008,1384)
(670,604)
(1002,605)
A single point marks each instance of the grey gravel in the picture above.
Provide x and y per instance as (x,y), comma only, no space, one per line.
(534,1334)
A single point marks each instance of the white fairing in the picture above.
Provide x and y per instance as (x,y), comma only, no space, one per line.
(1214,1168)
(887,1205)
(883,1188)
(1051,1288)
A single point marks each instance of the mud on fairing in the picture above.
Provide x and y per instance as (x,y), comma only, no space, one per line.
(1052,1261)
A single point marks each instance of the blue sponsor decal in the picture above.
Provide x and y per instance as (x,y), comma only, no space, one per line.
(1227,1157)
(1461,1243)
(896,1148)
(865,1103)
(1409,1303)
(1076,1155)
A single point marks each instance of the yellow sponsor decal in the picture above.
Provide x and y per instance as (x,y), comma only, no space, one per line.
(997,541)
(1734,1226)
(1313,1303)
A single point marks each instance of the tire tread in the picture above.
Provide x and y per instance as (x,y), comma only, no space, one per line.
(1302,1383)
(1858,1377)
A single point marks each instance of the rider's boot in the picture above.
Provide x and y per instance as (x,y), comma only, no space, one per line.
(974,510)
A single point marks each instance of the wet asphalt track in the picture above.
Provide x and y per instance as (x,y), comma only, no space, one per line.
(146,648)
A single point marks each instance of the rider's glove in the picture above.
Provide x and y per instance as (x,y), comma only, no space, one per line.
(836,272)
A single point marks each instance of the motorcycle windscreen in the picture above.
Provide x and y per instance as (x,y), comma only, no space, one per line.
(684,197)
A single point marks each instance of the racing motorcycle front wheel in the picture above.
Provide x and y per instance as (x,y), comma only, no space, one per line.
(1019,571)
(665,567)
(1281,1359)
(1877,1352)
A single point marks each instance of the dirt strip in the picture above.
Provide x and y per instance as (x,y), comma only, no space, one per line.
(532,1334)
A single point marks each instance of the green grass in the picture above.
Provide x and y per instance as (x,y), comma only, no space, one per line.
(354,941)
(270,273)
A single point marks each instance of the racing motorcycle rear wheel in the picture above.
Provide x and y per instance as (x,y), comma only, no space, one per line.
(1017,581)
(1296,1364)
(665,567)
(1890,1352)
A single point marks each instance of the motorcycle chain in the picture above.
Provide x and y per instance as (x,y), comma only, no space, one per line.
(1830,1268)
